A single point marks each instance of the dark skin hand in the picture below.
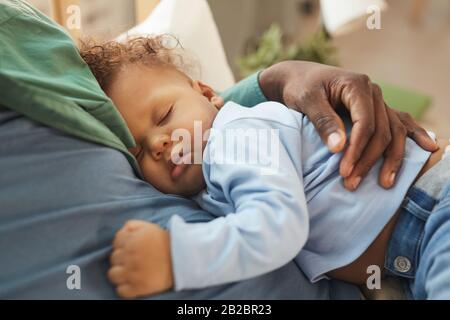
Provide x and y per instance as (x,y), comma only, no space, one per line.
(378,131)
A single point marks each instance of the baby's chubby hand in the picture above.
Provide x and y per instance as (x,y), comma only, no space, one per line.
(141,262)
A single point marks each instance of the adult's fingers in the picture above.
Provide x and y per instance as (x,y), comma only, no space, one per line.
(376,145)
(416,132)
(357,96)
(327,123)
(393,156)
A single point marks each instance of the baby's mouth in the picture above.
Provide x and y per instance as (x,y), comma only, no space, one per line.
(178,163)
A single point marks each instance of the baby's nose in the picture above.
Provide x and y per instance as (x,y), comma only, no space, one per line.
(160,146)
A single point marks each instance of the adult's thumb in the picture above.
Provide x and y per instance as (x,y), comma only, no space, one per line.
(328,124)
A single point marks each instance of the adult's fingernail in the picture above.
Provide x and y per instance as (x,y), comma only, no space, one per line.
(356,182)
(392,178)
(436,146)
(334,140)
(349,170)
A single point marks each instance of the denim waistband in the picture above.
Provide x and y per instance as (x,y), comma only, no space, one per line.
(402,255)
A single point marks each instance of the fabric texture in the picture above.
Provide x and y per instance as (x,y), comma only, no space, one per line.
(62,201)
(419,248)
(256,217)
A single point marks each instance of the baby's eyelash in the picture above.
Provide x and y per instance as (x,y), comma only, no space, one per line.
(165,116)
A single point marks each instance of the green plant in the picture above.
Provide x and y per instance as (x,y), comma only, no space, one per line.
(270,49)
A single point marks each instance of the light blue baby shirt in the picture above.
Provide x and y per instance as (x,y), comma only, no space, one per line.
(288,202)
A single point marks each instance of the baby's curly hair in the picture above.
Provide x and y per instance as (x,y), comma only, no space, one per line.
(107,58)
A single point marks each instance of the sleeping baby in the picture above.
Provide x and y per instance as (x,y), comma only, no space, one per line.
(272,184)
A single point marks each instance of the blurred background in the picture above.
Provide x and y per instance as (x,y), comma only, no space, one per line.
(409,55)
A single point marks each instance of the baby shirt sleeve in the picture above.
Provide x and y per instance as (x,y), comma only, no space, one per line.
(268,227)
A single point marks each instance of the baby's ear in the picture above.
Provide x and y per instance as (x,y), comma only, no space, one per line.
(209,93)
(217,101)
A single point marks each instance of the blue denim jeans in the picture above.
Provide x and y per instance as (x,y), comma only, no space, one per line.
(419,248)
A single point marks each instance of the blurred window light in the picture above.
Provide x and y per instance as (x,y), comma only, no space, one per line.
(341,17)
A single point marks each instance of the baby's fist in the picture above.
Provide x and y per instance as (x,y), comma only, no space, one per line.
(141,262)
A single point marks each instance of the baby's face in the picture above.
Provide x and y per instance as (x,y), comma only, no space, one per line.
(156,101)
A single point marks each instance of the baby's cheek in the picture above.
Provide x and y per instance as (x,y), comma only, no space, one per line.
(162,184)
(154,175)
(195,180)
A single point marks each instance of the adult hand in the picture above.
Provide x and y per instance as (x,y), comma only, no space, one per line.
(318,90)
